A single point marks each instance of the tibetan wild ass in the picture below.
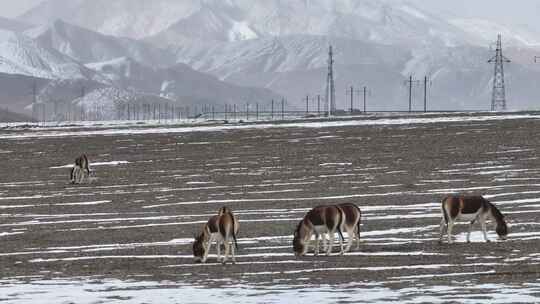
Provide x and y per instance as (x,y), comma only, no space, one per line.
(221,228)
(81,170)
(318,221)
(471,208)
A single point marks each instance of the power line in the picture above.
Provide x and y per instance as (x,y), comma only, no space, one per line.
(330,84)
(498,99)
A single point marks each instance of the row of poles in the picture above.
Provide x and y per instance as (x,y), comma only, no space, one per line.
(66,111)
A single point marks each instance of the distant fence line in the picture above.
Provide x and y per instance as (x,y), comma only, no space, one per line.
(67,112)
(62,112)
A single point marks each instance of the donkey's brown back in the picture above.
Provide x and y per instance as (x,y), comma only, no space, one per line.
(464,204)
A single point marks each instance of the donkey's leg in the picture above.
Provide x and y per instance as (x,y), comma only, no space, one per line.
(207,246)
(233,257)
(324,244)
(449,231)
(79,176)
(341,245)
(483,224)
(470,229)
(331,235)
(86,176)
(218,245)
(317,244)
(443,225)
(227,250)
(357,235)
(350,235)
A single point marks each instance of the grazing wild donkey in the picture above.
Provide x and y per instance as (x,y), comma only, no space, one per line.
(318,221)
(222,228)
(81,170)
(471,208)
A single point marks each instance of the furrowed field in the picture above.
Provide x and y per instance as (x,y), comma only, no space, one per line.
(127,234)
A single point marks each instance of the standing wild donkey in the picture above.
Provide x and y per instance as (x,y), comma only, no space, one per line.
(81,170)
(351,224)
(319,221)
(471,208)
(222,228)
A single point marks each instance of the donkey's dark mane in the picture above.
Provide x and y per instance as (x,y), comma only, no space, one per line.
(496,213)
(297,230)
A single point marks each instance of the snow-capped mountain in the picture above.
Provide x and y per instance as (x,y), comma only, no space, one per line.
(88,46)
(59,50)
(19,54)
(381,21)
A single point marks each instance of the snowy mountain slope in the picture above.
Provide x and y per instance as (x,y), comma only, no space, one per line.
(282,54)
(88,46)
(179,83)
(111,103)
(20,54)
(126,18)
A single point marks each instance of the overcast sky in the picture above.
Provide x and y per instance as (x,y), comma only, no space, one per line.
(520,12)
(512,12)
(13,8)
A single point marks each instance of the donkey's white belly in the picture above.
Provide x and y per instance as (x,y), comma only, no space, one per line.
(467,217)
(320,229)
(216,236)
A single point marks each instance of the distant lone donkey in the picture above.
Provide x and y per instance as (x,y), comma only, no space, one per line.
(80,171)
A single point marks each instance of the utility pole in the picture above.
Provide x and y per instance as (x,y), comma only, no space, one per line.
(425,93)
(498,100)
(410,82)
(283,109)
(330,85)
(319,105)
(307,104)
(351,93)
(352,99)
(34,100)
(410,93)
(365,95)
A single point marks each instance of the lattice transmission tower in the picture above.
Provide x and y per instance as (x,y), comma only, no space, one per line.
(330,85)
(498,101)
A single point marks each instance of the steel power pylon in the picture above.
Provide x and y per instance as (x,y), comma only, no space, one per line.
(330,85)
(498,101)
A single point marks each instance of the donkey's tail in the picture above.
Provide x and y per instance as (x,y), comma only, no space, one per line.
(444,212)
(234,231)
(359,221)
(340,222)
